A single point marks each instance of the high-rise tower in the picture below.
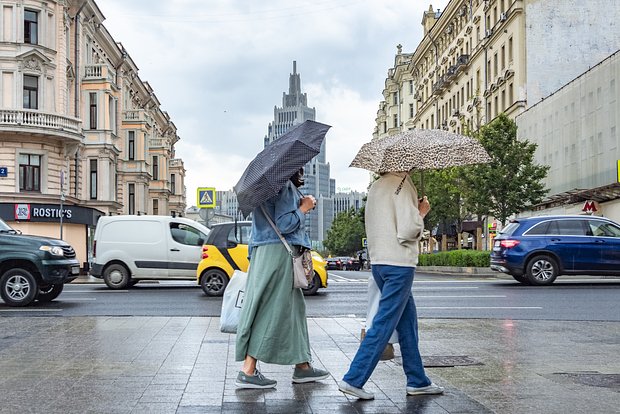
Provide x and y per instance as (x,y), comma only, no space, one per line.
(294,111)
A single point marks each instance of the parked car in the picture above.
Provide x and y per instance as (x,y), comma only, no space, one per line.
(226,250)
(129,248)
(536,250)
(33,267)
(334,263)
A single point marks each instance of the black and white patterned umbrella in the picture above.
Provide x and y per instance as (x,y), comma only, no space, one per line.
(267,173)
(420,149)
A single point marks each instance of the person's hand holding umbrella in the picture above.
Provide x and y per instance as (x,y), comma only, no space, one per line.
(424,206)
(307,203)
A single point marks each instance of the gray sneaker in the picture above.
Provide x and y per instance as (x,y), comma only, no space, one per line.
(360,393)
(257,380)
(309,375)
(428,390)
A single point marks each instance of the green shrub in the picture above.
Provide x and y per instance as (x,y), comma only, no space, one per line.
(458,258)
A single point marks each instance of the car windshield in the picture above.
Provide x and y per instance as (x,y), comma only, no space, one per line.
(5,228)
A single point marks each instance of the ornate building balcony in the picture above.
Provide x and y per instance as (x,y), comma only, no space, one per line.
(462,60)
(439,86)
(99,72)
(41,123)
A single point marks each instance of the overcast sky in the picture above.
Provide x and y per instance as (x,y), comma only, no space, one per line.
(219,67)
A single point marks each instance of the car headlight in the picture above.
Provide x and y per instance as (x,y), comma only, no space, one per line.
(55,250)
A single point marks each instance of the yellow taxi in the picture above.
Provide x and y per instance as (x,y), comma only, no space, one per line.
(226,250)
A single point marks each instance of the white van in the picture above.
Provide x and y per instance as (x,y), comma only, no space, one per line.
(128,249)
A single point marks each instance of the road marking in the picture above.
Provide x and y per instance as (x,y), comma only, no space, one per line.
(445,288)
(78,299)
(31,310)
(458,296)
(95,291)
(478,307)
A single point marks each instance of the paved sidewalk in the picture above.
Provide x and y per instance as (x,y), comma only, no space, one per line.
(186,365)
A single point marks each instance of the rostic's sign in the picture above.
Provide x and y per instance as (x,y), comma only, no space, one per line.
(27,212)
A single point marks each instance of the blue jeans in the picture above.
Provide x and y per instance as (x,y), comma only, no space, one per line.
(396,311)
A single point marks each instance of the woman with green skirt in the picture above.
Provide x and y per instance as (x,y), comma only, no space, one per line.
(272,326)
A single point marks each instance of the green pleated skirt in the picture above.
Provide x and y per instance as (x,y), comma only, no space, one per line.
(272,325)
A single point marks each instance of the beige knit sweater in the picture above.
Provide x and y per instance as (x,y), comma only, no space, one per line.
(393,223)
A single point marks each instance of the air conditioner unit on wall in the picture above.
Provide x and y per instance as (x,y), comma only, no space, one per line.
(488,33)
(503,17)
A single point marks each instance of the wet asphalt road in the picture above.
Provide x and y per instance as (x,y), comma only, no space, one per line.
(437,296)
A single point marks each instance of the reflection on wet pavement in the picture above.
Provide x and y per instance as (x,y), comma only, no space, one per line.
(185,365)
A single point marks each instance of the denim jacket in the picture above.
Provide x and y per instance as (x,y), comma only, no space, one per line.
(284,211)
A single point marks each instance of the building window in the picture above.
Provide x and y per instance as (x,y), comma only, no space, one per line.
(31,92)
(93,110)
(29,172)
(131,145)
(503,108)
(93,179)
(395,117)
(410,87)
(395,98)
(495,67)
(31,30)
(510,50)
(410,110)
(173,184)
(155,167)
(132,198)
(510,96)
(503,62)
(384,127)
(155,206)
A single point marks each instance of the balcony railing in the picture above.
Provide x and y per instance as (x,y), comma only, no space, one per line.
(462,60)
(46,122)
(157,142)
(98,72)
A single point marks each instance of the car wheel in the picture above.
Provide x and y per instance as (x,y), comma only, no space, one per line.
(344,267)
(18,287)
(213,282)
(521,279)
(541,270)
(48,293)
(116,276)
(313,287)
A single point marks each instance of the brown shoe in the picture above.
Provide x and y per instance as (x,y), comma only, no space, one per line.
(388,353)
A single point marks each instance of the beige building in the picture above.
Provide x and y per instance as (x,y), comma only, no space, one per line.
(479,58)
(576,130)
(80,132)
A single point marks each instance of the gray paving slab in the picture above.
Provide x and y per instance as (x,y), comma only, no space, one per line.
(185,365)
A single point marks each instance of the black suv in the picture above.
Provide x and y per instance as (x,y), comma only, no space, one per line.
(33,267)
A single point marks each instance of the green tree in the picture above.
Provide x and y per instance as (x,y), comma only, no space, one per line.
(512,181)
(344,237)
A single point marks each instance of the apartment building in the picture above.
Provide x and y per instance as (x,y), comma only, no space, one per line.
(81,135)
(480,58)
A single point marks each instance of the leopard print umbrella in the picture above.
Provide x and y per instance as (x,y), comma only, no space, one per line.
(419,149)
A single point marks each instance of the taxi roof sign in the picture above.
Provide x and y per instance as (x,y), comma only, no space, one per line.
(205,197)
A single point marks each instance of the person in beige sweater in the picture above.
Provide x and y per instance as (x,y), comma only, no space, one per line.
(394,226)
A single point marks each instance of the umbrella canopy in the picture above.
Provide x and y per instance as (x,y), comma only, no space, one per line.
(419,149)
(267,173)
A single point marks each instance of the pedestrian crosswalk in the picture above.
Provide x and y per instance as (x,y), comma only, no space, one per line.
(333,278)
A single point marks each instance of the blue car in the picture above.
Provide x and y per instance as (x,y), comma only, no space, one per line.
(536,250)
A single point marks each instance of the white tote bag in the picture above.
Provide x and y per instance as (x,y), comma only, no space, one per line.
(374,295)
(232,302)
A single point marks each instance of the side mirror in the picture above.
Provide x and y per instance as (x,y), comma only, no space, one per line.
(231,244)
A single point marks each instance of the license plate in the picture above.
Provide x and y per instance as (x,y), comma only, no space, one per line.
(75,270)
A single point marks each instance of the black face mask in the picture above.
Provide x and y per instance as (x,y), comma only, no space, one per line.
(298,178)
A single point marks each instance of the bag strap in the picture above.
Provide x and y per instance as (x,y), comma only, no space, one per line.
(269,219)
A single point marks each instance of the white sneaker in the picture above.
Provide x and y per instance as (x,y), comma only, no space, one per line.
(428,390)
(360,393)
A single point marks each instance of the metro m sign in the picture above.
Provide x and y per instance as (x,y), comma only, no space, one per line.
(589,207)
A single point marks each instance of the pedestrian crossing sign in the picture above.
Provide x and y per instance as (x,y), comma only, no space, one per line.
(206,197)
